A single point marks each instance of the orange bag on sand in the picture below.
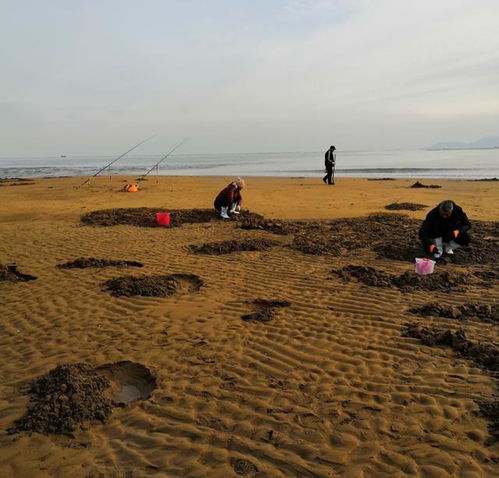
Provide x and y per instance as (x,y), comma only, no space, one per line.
(131,188)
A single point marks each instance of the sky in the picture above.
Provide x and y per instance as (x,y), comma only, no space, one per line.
(98,76)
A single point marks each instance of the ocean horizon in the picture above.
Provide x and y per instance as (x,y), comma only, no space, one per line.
(450,164)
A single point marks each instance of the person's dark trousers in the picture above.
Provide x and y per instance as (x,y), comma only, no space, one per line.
(327,178)
(463,238)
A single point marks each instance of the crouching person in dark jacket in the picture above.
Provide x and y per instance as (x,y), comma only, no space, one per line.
(445,229)
(229,199)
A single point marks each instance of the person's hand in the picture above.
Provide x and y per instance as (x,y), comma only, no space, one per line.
(456,233)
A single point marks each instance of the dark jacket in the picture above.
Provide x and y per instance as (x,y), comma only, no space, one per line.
(227,196)
(436,226)
(330,159)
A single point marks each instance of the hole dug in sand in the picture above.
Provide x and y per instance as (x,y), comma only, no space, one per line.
(9,273)
(153,286)
(69,395)
(130,381)
(84,262)
(226,247)
(266,310)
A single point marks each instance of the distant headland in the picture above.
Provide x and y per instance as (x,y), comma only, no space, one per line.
(488,142)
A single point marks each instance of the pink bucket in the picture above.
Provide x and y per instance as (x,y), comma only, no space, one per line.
(163,218)
(424,266)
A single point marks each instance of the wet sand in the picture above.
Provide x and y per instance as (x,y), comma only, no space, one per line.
(265,362)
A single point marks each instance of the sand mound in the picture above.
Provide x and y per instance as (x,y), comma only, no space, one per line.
(483,312)
(63,399)
(408,281)
(69,395)
(485,355)
(407,206)
(266,310)
(9,273)
(153,286)
(84,262)
(417,184)
(244,467)
(490,410)
(130,381)
(226,247)
(146,217)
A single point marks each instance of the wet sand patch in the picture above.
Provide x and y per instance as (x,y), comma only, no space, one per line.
(153,286)
(84,262)
(9,273)
(266,310)
(227,247)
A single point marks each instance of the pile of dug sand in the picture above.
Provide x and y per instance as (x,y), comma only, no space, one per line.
(405,206)
(84,262)
(9,273)
(483,312)
(63,399)
(485,355)
(153,286)
(227,247)
(146,217)
(408,281)
(418,184)
(266,310)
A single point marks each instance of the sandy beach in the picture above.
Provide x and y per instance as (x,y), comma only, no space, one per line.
(273,362)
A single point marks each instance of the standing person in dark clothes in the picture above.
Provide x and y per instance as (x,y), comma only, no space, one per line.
(445,229)
(329,163)
(229,199)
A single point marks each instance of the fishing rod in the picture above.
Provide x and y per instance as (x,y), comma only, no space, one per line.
(113,161)
(162,159)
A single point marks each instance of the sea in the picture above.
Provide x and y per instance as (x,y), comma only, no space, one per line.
(450,164)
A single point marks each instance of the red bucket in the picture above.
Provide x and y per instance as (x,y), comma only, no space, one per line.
(163,218)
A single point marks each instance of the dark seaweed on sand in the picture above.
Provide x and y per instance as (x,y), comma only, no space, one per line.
(405,206)
(266,310)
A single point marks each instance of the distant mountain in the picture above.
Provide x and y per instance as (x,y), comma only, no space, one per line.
(484,143)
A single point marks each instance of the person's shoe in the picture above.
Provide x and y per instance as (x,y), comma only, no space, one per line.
(223,213)
(325,180)
(448,249)
(437,254)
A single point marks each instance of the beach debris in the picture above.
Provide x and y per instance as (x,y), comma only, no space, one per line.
(227,247)
(244,467)
(153,286)
(408,281)
(9,273)
(381,179)
(482,312)
(266,310)
(71,394)
(63,399)
(84,262)
(483,354)
(405,206)
(317,244)
(418,184)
